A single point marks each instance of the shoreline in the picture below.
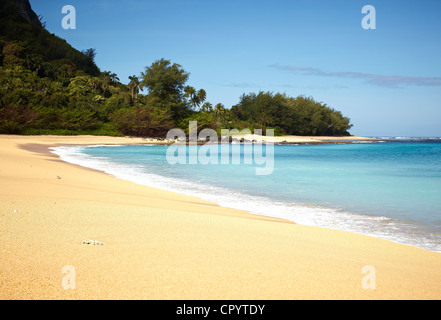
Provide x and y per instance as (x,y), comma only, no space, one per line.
(264,209)
(175,246)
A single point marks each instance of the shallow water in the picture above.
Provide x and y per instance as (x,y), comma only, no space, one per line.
(388,190)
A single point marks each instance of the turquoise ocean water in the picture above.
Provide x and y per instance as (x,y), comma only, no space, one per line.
(390,190)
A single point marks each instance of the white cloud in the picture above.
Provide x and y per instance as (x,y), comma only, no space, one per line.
(376,79)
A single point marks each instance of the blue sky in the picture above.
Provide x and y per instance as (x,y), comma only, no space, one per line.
(387,80)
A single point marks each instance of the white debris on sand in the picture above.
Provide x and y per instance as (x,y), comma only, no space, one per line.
(92,242)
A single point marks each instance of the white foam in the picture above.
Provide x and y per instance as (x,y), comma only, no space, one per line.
(409,138)
(318,216)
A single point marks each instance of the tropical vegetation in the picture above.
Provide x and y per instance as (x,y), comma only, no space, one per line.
(48,87)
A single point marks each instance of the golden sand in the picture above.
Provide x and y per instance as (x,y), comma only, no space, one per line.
(161,245)
(302,139)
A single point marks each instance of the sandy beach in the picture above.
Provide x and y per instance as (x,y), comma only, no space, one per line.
(162,245)
(303,139)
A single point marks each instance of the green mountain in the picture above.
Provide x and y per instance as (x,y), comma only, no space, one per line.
(23,39)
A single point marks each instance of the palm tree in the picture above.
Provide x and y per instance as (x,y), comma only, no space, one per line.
(110,77)
(207,107)
(190,93)
(196,97)
(220,114)
(134,86)
(202,95)
(114,79)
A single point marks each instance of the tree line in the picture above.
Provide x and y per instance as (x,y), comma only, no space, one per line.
(57,98)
